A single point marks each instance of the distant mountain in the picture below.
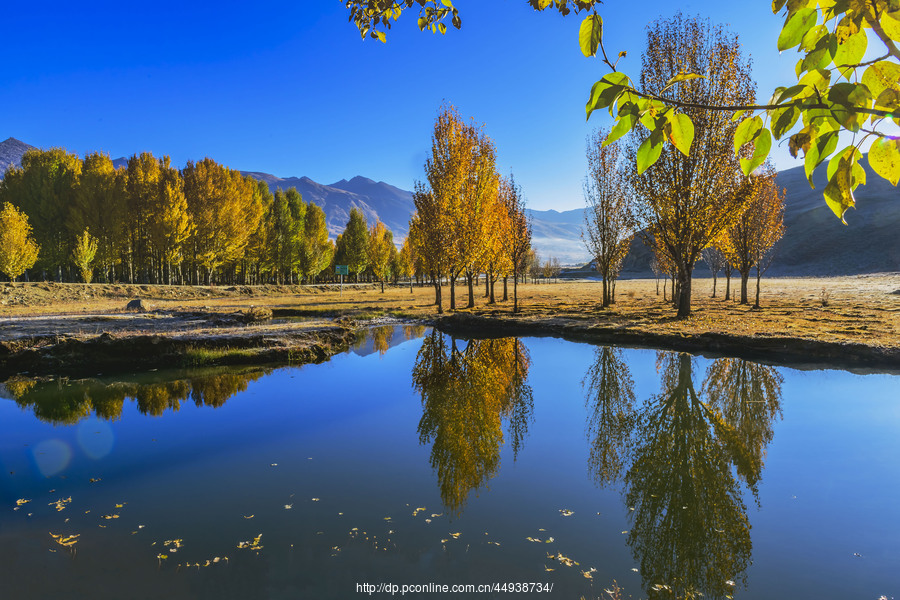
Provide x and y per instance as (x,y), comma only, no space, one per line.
(376,200)
(817,243)
(558,234)
(11,152)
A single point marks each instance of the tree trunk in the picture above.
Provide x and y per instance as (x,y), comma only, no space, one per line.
(505,289)
(437,294)
(452,292)
(470,279)
(684,293)
(605,300)
(728,286)
(493,301)
(516,295)
(714,285)
(487,286)
(758,277)
(745,275)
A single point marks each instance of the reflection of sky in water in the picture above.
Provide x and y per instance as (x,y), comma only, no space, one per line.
(345,432)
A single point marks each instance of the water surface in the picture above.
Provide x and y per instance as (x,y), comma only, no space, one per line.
(419,458)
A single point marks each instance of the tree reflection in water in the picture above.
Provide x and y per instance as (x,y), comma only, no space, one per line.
(684,455)
(466,394)
(66,402)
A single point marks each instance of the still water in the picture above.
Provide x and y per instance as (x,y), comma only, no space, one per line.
(420,459)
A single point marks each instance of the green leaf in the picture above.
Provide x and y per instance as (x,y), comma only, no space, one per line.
(887,100)
(746,131)
(763,144)
(605,91)
(649,151)
(625,123)
(380,35)
(847,97)
(783,119)
(884,158)
(812,37)
(737,115)
(820,149)
(680,131)
(838,193)
(881,76)
(850,154)
(850,53)
(790,93)
(796,27)
(589,34)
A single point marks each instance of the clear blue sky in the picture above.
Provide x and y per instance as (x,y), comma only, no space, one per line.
(289,88)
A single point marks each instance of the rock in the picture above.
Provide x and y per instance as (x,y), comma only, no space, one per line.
(138,305)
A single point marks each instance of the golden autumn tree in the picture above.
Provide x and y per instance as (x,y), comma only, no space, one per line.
(18,250)
(517,242)
(225,211)
(44,189)
(170,224)
(749,243)
(462,193)
(609,219)
(688,197)
(379,250)
(142,190)
(100,205)
(83,253)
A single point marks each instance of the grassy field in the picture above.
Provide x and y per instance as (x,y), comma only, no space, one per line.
(861,309)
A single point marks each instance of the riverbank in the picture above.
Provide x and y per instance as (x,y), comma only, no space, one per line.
(846,322)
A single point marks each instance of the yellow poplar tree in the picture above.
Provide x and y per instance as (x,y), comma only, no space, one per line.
(83,254)
(18,250)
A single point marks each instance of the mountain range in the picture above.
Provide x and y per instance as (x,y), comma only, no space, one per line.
(815,243)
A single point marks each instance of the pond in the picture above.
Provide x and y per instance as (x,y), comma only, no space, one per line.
(421,460)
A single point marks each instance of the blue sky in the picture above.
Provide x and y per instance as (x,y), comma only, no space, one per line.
(289,88)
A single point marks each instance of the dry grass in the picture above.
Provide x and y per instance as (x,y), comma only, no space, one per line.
(861,309)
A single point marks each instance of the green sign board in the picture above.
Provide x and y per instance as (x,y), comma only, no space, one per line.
(341,270)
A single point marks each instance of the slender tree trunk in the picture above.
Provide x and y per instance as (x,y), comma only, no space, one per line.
(452,292)
(714,285)
(728,285)
(487,285)
(745,275)
(605,300)
(505,289)
(758,277)
(493,301)
(470,279)
(516,294)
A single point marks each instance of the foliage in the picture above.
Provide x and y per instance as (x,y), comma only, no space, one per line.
(83,253)
(518,240)
(609,219)
(18,250)
(836,90)
(381,240)
(686,201)
(356,242)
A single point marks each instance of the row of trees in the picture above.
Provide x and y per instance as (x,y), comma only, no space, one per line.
(683,202)
(469,219)
(149,222)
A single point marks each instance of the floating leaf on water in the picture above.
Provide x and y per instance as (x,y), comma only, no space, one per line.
(141,526)
(288,506)
(108,517)
(635,570)
(428,520)
(250,517)
(61,503)
(531,539)
(542,529)
(546,568)
(566,512)
(314,499)
(274,465)
(550,540)
(730,582)
(102,526)
(624,532)
(587,574)
(121,505)
(94,480)
(387,518)
(444,541)
(455,535)
(22,501)
(435,516)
